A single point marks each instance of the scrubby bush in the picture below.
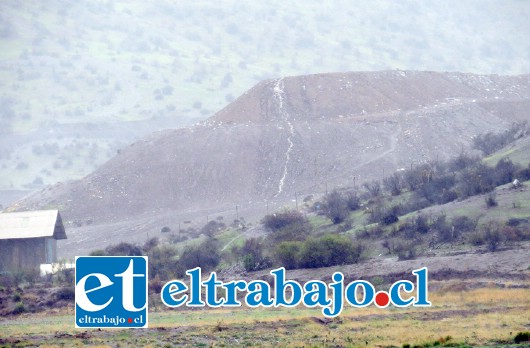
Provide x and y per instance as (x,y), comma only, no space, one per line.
(212,227)
(252,253)
(491,142)
(461,162)
(353,201)
(205,255)
(150,244)
(65,293)
(393,184)
(491,200)
(463,224)
(164,263)
(98,252)
(523,174)
(514,222)
(329,250)
(405,250)
(287,254)
(476,238)
(522,337)
(505,171)
(19,308)
(421,224)
(17,297)
(373,188)
(155,285)
(277,221)
(389,219)
(336,207)
(492,236)
(123,249)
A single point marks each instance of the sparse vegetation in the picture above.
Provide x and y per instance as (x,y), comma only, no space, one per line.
(336,207)
(491,142)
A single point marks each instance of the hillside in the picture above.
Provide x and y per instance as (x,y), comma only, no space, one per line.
(80,81)
(281,141)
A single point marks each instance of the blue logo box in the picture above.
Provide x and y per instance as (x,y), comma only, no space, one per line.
(111,292)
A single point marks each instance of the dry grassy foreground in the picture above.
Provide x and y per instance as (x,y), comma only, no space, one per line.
(488,316)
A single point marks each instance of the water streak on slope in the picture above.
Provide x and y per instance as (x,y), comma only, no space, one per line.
(284,115)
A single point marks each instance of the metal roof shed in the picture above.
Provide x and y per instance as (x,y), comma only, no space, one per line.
(28,239)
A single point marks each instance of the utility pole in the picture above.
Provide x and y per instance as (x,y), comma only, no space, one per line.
(296,199)
(237,213)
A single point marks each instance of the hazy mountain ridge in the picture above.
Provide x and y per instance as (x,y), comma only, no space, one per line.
(289,147)
(173,64)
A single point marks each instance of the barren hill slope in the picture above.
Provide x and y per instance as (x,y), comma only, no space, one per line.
(285,139)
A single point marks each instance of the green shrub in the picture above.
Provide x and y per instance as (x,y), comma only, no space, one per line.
(206,255)
(123,249)
(491,200)
(287,254)
(329,250)
(98,252)
(421,224)
(389,219)
(522,337)
(476,238)
(19,308)
(336,207)
(66,293)
(163,262)
(405,251)
(353,201)
(253,257)
(463,224)
(277,221)
(492,236)
(17,297)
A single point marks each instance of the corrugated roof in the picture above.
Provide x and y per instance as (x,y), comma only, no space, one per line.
(32,224)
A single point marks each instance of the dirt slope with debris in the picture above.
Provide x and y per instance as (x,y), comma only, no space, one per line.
(281,140)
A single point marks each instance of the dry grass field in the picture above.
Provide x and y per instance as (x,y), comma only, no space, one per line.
(461,315)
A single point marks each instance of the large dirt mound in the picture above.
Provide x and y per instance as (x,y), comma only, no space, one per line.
(283,139)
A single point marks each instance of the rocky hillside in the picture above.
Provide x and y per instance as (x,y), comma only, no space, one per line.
(281,141)
(67,70)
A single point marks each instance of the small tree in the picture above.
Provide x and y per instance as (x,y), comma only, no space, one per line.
(277,221)
(336,207)
(353,201)
(206,255)
(393,184)
(491,200)
(252,255)
(492,236)
(287,254)
(289,225)
(421,224)
(373,188)
(329,250)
